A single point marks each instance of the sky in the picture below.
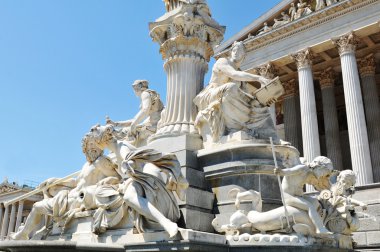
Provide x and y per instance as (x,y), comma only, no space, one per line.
(66,64)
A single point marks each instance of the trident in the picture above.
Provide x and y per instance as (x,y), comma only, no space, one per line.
(279,183)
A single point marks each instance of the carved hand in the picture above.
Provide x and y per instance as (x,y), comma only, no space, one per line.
(277,171)
(47,182)
(109,121)
(271,102)
(264,81)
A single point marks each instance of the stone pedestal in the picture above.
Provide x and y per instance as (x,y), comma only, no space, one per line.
(197,208)
(244,166)
(357,128)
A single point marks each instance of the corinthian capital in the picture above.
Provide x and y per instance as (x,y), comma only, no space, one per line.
(346,43)
(290,88)
(327,78)
(367,66)
(303,58)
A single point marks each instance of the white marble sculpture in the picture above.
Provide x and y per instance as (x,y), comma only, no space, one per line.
(330,212)
(331,2)
(266,28)
(292,12)
(131,186)
(284,19)
(149,180)
(303,9)
(228,104)
(137,130)
(320,4)
(62,201)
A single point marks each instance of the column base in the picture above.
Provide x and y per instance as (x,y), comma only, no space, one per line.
(175,130)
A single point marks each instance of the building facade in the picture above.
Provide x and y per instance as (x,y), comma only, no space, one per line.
(14,215)
(327,54)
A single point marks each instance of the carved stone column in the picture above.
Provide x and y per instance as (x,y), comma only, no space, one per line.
(367,68)
(4,227)
(19,214)
(1,216)
(357,129)
(187,36)
(269,71)
(310,135)
(12,219)
(290,113)
(334,152)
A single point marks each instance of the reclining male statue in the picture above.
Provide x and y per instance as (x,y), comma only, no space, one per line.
(139,185)
(301,209)
(63,200)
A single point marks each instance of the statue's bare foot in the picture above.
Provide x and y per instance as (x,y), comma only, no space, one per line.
(18,236)
(171,228)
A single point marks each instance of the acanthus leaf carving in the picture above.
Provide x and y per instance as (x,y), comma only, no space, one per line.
(367,66)
(346,43)
(303,58)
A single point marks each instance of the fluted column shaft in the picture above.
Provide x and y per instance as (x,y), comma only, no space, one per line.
(367,67)
(1,216)
(4,227)
(332,135)
(19,214)
(310,135)
(12,219)
(185,76)
(357,128)
(290,113)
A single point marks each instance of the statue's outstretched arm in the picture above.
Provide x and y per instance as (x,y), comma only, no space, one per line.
(291,171)
(240,75)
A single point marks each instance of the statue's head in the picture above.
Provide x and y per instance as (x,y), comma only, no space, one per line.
(139,86)
(238,51)
(322,166)
(90,148)
(322,169)
(347,179)
(101,136)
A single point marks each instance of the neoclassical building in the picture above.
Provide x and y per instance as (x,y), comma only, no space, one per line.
(12,216)
(327,54)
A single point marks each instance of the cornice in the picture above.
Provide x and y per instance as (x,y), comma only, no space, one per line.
(312,20)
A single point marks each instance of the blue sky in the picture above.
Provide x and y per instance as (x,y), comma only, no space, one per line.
(66,64)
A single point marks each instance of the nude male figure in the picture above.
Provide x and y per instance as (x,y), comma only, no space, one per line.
(61,204)
(316,173)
